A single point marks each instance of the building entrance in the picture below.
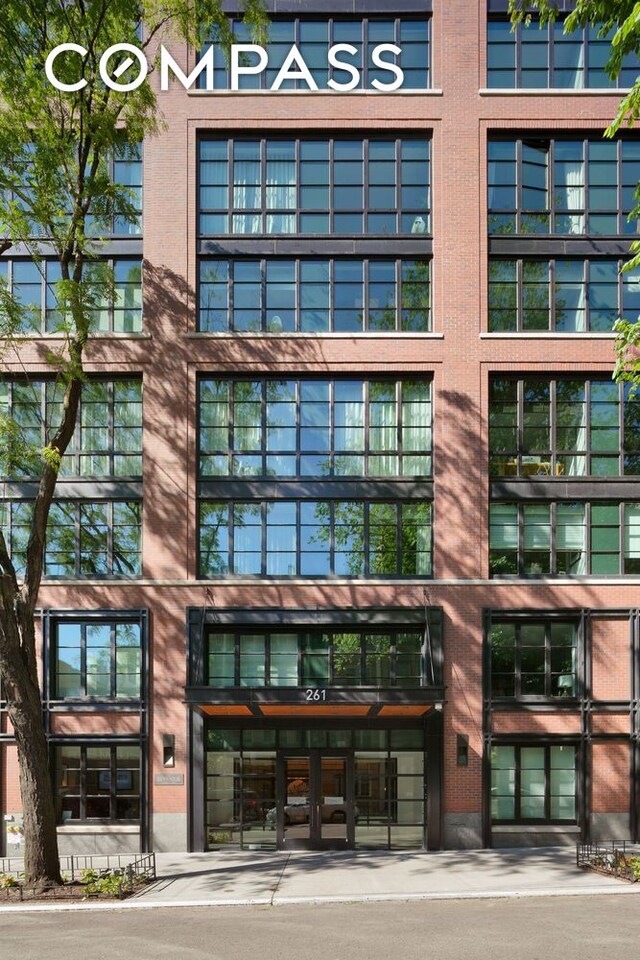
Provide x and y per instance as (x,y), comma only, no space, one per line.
(315,805)
(320,787)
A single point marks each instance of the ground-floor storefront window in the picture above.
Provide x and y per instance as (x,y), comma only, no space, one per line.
(315,787)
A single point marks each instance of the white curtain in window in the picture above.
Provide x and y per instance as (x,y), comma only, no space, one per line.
(504,525)
(571,535)
(383,437)
(574,192)
(281,195)
(576,464)
(352,435)
(570,299)
(246,196)
(416,426)
(632,531)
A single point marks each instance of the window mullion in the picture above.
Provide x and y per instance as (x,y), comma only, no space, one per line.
(621,437)
(83,783)
(84,683)
(113,666)
(518,663)
(519,293)
(110,538)
(113,782)
(547,782)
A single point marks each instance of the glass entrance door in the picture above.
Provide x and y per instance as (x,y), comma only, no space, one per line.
(315,800)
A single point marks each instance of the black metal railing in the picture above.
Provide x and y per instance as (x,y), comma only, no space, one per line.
(134,866)
(614,858)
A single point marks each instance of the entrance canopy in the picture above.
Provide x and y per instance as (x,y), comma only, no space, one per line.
(316,703)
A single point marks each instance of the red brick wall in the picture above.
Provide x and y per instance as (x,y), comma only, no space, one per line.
(610,659)
(460,359)
(610,784)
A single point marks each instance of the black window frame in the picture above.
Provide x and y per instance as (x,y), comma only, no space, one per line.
(419,224)
(305,638)
(398,20)
(548,268)
(548,696)
(260,507)
(584,35)
(589,553)
(546,746)
(44,311)
(11,528)
(274,324)
(550,466)
(367,454)
(112,621)
(112,744)
(70,467)
(547,215)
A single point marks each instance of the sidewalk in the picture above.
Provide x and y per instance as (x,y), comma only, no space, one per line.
(272,879)
(279,878)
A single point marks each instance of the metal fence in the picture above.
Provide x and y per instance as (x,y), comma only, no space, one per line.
(615,858)
(139,866)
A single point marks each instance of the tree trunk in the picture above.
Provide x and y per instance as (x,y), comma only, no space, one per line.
(41,863)
(19,670)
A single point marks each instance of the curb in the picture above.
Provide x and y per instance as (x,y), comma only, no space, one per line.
(142,904)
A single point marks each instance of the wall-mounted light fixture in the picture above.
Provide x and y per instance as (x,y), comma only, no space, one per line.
(168,750)
(462,750)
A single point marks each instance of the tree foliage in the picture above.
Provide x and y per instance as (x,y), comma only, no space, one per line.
(619,19)
(56,199)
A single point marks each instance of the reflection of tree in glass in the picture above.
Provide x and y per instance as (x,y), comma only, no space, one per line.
(214,533)
(399,537)
(414,301)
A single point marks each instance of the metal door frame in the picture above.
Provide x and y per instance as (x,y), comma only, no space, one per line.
(315,841)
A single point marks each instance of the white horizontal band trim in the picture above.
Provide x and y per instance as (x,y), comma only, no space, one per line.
(553,91)
(322,335)
(426,92)
(34,337)
(535,828)
(545,335)
(101,828)
(631,581)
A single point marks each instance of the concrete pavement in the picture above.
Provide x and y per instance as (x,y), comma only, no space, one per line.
(271,879)
(285,878)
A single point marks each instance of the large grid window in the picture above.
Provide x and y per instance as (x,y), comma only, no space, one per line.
(97,782)
(125,171)
(533,659)
(240,771)
(289,428)
(354,658)
(533,57)
(108,437)
(314,296)
(257,187)
(84,539)
(568,295)
(575,187)
(315,539)
(96,658)
(34,285)
(564,538)
(313,39)
(533,784)
(563,428)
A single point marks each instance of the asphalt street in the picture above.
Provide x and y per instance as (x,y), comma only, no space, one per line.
(571,928)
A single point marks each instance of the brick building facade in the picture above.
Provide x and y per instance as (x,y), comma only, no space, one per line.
(373,581)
